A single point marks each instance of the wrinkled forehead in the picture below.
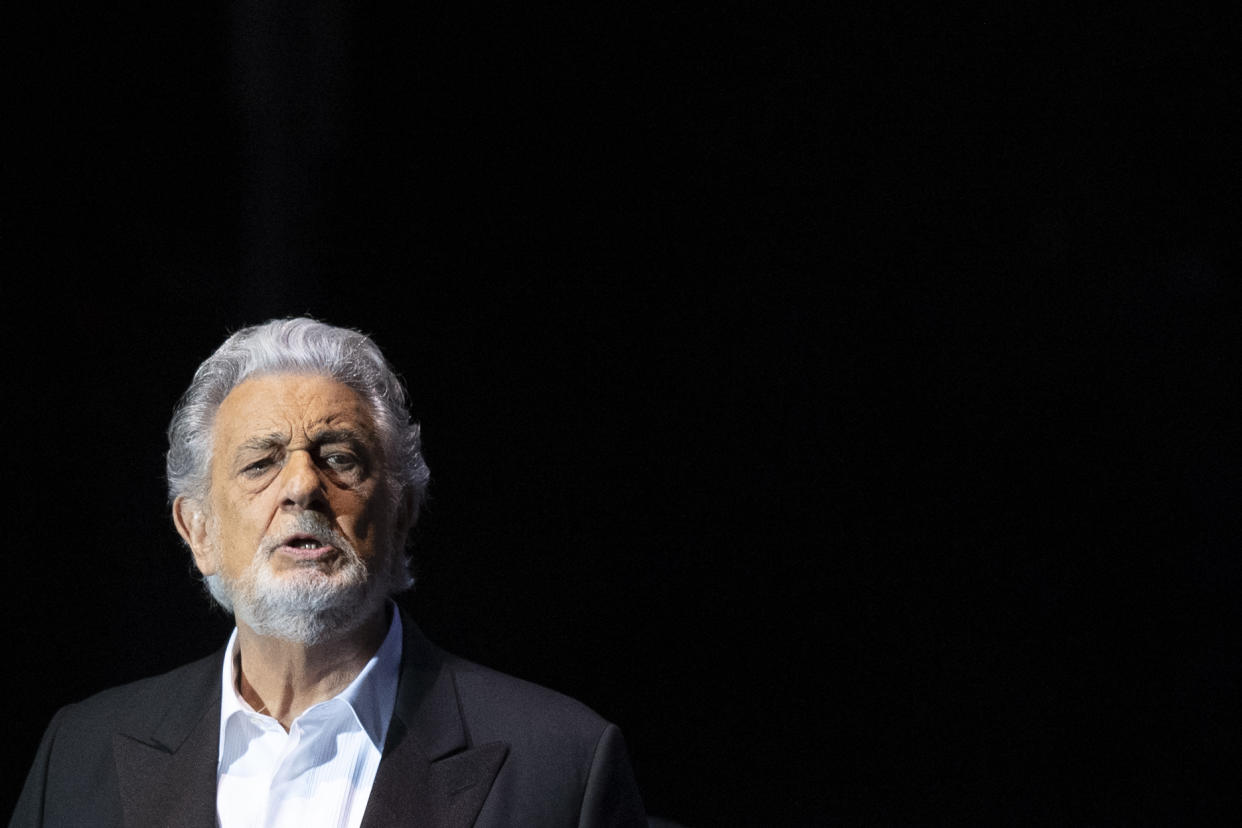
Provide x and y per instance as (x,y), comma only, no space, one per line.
(295,406)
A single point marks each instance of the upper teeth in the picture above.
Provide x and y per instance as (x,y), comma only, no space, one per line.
(305,543)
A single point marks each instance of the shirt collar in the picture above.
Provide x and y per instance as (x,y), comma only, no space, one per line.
(372,694)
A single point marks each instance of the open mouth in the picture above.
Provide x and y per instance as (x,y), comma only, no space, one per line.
(305,547)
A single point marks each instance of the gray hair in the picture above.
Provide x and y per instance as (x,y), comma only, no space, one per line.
(301,346)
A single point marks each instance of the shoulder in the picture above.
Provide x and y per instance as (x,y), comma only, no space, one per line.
(452,700)
(497,706)
(142,705)
(73,779)
(564,761)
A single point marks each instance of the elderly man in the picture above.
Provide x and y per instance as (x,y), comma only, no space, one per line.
(295,475)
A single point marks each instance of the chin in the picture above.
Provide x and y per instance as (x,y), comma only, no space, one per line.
(305,606)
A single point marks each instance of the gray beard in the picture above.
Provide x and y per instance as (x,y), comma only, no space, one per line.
(304,606)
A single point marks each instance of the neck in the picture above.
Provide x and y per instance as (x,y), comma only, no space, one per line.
(284,678)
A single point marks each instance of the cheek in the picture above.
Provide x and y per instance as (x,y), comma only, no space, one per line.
(369,527)
(237,534)
(364,528)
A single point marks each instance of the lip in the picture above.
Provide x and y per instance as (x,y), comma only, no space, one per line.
(304,553)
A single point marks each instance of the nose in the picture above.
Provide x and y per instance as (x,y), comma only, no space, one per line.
(301,484)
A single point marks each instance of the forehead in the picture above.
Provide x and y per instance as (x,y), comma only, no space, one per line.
(289,404)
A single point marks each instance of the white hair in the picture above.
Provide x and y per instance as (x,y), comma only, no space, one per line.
(298,346)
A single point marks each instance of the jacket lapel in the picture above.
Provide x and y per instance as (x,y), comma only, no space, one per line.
(168,776)
(429,774)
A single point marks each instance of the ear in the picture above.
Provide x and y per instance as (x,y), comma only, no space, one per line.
(191,524)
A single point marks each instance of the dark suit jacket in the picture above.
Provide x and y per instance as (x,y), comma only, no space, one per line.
(466,746)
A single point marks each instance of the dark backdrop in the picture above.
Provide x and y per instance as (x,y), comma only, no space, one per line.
(844,403)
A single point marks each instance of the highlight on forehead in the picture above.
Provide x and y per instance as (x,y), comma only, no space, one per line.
(326,436)
(271,412)
(299,387)
(273,400)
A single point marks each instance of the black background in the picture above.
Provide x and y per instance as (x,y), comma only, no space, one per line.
(845,403)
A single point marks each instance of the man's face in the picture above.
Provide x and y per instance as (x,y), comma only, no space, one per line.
(299,519)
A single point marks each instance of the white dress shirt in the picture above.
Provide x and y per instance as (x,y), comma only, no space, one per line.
(319,774)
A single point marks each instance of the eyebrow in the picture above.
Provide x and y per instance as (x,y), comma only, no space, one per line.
(261,443)
(339,435)
(266,442)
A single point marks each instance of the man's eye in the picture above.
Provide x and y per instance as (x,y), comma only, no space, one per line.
(341,462)
(257,467)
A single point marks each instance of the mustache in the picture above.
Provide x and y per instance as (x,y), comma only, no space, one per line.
(308,523)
